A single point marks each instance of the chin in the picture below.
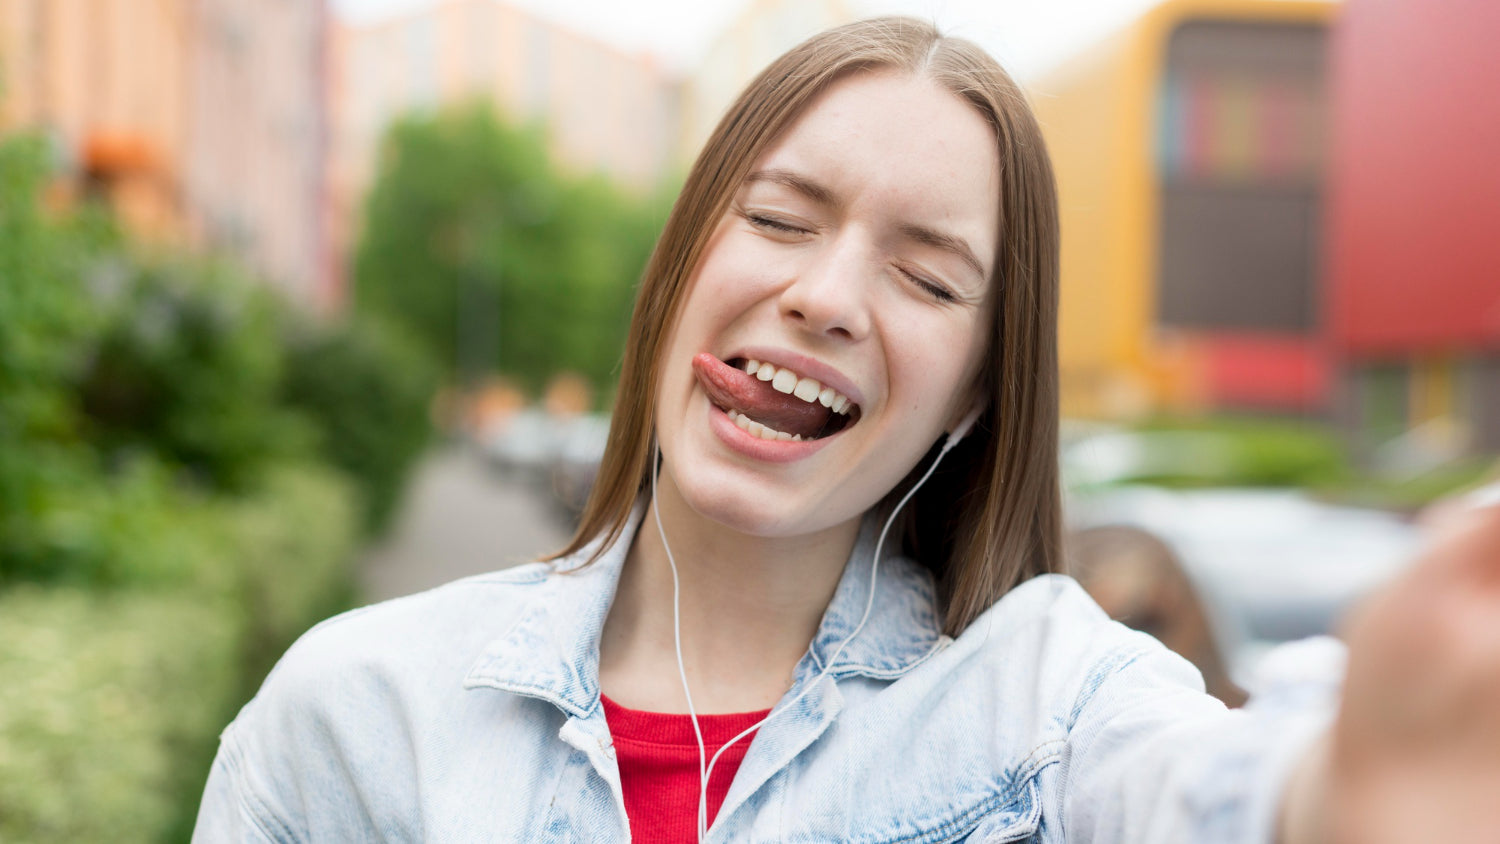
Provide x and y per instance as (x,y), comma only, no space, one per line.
(744,506)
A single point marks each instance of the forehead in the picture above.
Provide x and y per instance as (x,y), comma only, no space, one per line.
(902,147)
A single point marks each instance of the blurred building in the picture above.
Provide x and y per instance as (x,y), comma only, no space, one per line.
(257,176)
(200,121)
(1190,156)
(762,32)
(605,110)
(107,82)
(1414,192)
(1286,206)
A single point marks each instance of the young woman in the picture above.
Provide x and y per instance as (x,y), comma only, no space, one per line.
(823,540)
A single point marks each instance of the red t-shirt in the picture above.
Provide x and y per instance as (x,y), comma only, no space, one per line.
(658,757)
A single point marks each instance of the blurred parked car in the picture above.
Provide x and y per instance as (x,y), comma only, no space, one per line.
(577,462)
(522,443)
(557,455)
(1222,575)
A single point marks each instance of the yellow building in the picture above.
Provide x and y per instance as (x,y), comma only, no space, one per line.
(763,31)
(1188,263)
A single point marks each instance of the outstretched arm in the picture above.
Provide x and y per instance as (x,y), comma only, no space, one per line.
(1415,752)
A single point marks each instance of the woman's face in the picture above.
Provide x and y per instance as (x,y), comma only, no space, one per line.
(855,263)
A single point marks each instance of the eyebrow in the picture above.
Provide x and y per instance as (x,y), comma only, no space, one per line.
(919,233)
(801,184)
(946,242)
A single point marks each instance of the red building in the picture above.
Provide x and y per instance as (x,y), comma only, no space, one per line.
(1413,255)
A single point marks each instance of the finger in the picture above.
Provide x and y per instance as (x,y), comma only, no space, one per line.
(1467,546)
(1485,496)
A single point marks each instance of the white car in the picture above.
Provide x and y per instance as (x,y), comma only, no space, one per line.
(1222,575)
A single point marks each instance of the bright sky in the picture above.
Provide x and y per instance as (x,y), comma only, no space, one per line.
(1028,36)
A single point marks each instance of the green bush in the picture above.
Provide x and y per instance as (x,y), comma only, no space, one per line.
(132,392)
(286,554)
(366,387)
(101,694)
(1228,451)
(166,523)
(188,368)
(177,503)
(47,316)
(47,265)
(81,525)
(111,700)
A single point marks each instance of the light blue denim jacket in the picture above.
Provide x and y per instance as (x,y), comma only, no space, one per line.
(471,713)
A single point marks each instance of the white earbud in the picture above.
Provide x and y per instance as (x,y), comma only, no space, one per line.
(963,427)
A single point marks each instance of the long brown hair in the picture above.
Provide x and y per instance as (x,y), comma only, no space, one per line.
(991,517)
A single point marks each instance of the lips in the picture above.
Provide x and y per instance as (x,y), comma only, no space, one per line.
(761,408)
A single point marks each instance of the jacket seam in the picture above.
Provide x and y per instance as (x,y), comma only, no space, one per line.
(973,815)
(853,669)
(250,803)
(531,690)
(1110,666)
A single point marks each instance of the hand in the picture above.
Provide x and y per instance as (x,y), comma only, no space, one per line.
(1415,753)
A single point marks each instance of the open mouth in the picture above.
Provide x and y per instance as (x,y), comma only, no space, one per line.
(774,403)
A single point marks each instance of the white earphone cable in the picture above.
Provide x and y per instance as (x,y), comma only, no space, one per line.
(677,629)
(705,768)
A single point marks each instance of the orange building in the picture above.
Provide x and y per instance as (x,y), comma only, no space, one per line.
(1190,162)
(200,121)
(107,82)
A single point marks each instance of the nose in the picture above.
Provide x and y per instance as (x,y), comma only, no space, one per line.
(828,296)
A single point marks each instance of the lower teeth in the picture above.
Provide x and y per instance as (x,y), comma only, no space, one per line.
(755,429)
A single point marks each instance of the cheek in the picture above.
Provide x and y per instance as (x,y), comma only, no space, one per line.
(966,389)
(728,280)
(949,360)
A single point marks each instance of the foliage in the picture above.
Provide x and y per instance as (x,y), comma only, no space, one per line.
(492,258)
(1255,452)
(188,367)
(88,743)
(1411,493)
(112,698)
(1203,452)
(285,554)
(1262,452)
(45,265)
(134,392)
(85,526)
(47,315)
(174,507)
(366,386)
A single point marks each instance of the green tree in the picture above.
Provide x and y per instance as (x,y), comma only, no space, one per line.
(367,387)
(479,245)
(47,317)
(187,368)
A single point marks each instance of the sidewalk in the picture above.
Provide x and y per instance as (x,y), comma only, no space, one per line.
(459,518)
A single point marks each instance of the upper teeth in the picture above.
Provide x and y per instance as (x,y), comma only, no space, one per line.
(807,389)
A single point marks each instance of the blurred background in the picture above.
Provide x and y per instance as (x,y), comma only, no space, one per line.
(305,305)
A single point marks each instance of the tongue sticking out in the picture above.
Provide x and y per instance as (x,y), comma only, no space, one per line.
(730,388)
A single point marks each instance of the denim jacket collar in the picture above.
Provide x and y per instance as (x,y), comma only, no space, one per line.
(552,651)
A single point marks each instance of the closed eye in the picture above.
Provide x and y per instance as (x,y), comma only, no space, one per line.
(761,221)
(932,288)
